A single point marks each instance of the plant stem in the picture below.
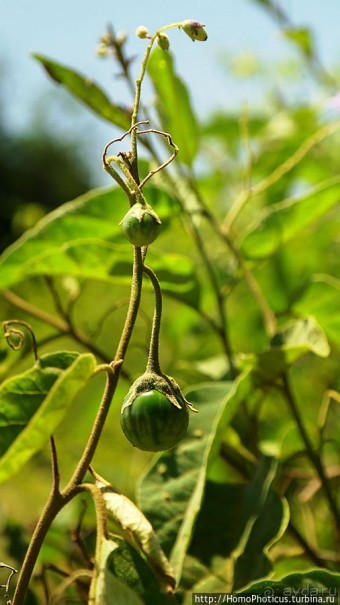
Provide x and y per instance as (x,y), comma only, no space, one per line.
(312,454)
(136,105)
(315,139)
(223,324)
(269,318)
(136,289)
(63,325)
(153,364)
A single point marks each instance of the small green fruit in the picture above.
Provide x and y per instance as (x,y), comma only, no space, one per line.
(153,423)
(163,41)
(141,225)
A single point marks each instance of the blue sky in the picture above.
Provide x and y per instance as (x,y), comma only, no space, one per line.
(69,30)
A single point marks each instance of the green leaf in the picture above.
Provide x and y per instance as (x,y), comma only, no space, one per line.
(281,222)
(108,589)
(127,566)
(171,492)
(322,300)
(136,527)
(235,528)
(34,403)
(290,344)
(173,105)
(76,240)
(86,91)
(93,215)
(317,583)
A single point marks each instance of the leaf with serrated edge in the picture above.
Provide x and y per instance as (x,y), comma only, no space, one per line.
(135,526)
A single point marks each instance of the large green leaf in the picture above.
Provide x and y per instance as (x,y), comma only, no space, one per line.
(33,404)
(281,222)
(86,91)
(94,215)
(173,105)
(322,585)
(235,528)
(171,492)
(76,240)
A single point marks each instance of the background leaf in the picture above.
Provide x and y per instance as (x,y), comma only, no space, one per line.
(235,528)
(173,105)
(33,404)
(283,221)
(86,91)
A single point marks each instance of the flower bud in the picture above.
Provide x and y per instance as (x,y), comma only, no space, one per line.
(142,32)
(121,38)
(194,30)
(106,38)
(101,50)
(163,41)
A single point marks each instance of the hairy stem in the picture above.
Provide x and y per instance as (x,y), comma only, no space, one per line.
(153,364)
(136,105)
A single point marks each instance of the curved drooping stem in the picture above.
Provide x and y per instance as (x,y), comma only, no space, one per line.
(153,364)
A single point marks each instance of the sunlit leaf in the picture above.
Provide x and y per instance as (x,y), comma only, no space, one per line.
(87,91)
(171,492)
(281,222)
(34,403)
(173,105)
